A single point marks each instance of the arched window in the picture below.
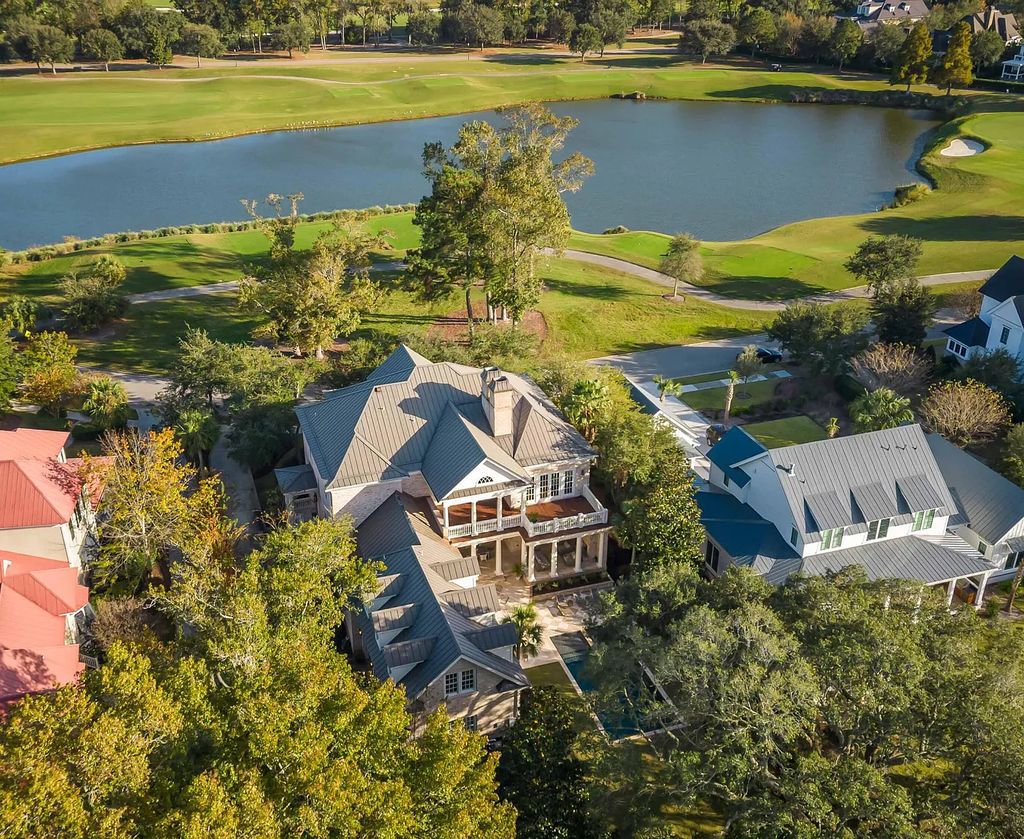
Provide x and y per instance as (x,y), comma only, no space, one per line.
(486,479)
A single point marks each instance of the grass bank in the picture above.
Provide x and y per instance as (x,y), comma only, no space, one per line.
(42,116)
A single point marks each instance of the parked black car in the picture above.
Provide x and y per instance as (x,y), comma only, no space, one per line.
(768,356)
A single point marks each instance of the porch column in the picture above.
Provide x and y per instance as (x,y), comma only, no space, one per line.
(472,550)
(445,508)
(497,557)
(950,591)
(554,558)
(602,551)
(531,575)
(579,554)
(472,516)
(498,514)
(982,586)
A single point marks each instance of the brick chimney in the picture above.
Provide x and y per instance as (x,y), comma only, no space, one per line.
(497,397)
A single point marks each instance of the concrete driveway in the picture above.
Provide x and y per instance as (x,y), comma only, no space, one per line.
(682,360)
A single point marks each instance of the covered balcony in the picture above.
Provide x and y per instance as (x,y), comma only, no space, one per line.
(481,516)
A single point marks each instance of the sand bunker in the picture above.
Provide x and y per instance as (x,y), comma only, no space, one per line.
(962,148)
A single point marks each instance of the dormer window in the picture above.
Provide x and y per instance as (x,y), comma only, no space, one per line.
(923,520)
(794,537)
(832,538)
(878,529)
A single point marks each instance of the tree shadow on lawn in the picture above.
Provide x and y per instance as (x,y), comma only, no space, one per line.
(604,291)
(754,287)
(977,228)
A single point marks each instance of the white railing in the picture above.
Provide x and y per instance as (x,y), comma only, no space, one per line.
(457,530)
(508,522)
(486,526)
(539,528)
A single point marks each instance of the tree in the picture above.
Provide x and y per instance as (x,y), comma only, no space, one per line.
(477,24)
(20,313)
(540,772)
(915,55)
(1013,455)
(294,34)
(200,40)
(49,376)
(661,523)
(756,28)
(667,386)
(957,64)
(94,298)
(815,36)
(997,369)
(682,261)
(884,260)
(880,409)
(987,48)
(845,40)
(10,372)
(586,39)
(823,337)
(212,734)
(899,367)
(702,10)
(584,403)
(748,363)
(902,312)
(528,632)
(308,298)
(102,45)
(423,27)
(106,402)
(158,50)
(198,431)
(887,41)
(613,20)
(730,394)
(965,413)
(46,45)
(706,38)
(561,25)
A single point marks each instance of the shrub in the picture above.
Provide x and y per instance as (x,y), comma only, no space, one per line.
(848,387)
(909,193)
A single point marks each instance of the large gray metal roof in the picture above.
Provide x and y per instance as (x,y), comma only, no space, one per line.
(382,428)
(907,558)
(857,479)
(991,505)
(441,630)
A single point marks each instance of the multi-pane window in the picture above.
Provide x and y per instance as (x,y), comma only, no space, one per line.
(567,481)
(556,479)
(471,723)
(982,547)
(468,680)
(531,493)
(832,538)
(878,529)
(1004,336)
(712,556)
(957,348)
(545,486)
(923,520)
(451,683)
(1014,560)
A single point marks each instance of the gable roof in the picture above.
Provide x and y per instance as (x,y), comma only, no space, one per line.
(35,596)
(36,489)
(31,444)
(1004,25)
(740,531)
(864,477)
(426,607)
(1008,281)
(382,428)
(735,446)
(970,333)
(991,505)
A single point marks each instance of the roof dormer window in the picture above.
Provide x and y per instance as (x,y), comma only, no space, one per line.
(878,529)
(923,520)
(832,538)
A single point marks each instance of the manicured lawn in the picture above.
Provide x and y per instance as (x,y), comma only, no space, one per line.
(746,395)
(90,110)
(786,432)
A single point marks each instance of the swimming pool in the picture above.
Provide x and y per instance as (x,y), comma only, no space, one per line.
(575,650)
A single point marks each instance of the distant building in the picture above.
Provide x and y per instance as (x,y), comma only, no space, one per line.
(879,501)
(874,13)
(1000,321)
(993,20)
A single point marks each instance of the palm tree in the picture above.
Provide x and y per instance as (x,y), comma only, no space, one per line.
(730,392)
(528,631)
(667,387)
(583,403)
(878,409)
(682,261)
(198,431)
(106,402)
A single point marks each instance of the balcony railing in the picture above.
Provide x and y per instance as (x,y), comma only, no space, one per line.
(517,519)
(540,528)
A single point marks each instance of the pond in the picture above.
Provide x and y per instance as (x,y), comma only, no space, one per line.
(720,170)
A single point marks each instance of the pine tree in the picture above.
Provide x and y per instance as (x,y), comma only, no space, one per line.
(956,66)
(912,64)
